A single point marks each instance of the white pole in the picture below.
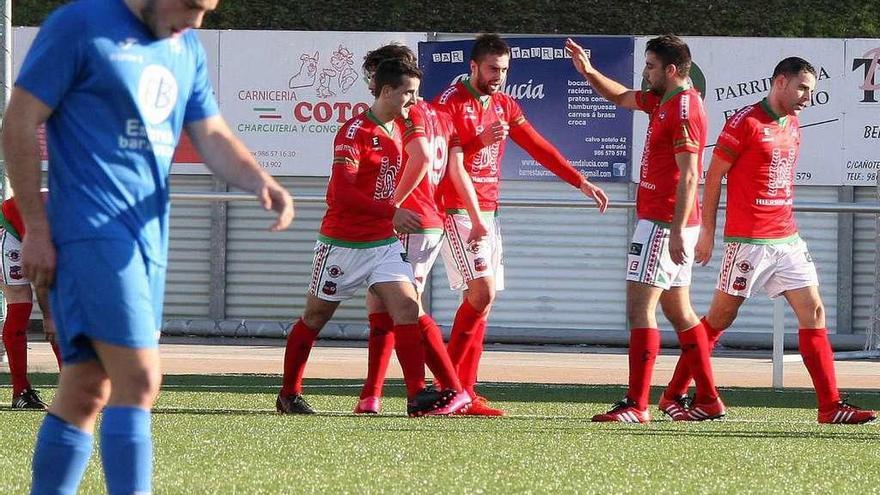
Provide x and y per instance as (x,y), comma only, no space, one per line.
(778,341)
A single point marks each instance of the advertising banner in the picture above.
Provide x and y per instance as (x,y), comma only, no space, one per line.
(287,93)
(861,104)
(593,134)
(732,73)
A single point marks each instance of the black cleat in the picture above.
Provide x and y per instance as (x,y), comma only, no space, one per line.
(28,399)
(293,404)
(428,401)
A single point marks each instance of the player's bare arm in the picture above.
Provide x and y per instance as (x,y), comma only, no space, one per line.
(417,165)
(227,157)
(461,181)
(610,89)
(686,193)
(711,197)
(24,115)
(597,193)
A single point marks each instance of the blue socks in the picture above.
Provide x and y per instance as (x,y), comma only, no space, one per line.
(60,457)
(127,449)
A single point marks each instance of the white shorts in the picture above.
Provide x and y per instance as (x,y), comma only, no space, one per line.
(774,267)
(338,272)
(12,270)
(421,250)
(467,262)
(649,261)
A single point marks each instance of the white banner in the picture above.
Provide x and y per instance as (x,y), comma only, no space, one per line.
(861,104)
(735,72)
(287,93)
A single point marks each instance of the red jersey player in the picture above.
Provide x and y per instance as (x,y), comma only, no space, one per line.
(429,142)
(483,117)
(357,247)
(758,150)
(19,296)
(661,252)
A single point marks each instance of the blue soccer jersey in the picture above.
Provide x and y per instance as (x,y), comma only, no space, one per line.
(120,97)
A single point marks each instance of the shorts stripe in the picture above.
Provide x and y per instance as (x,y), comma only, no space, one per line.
(457,247)
(318,266)
(731,251)
(654,246)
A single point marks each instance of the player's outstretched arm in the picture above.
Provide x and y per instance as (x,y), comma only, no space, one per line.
(547,155)
(610,89)
(227,157)
(24,115)
(711,197)
(461,181)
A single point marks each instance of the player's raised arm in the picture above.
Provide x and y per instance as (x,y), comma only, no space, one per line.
(610,89)
(24,116)
(227,157)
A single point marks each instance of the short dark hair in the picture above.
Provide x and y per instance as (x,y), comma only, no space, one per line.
(390,51)
(488,44)
(793,66)
(390,72)
(671,50)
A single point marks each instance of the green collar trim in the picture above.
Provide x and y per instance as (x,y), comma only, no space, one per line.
(483,99)
(669,96)
(389,129)
(765,104)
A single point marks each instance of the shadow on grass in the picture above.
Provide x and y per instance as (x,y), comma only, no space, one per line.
(501,392)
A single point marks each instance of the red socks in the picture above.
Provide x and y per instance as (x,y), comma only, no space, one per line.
(644,345)
(15,339)
(411,355)
(819,361)
(435,354)
(380,345)
(463,333)
(467,370)
(681,378)
(299,345)
(696,353)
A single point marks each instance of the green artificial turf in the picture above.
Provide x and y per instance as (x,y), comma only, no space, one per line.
(220,434)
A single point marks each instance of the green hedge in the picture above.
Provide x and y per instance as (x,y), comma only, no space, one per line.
(808,18)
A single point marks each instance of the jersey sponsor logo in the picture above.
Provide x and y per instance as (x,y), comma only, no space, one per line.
(15,273)
(780,172)
(14,255)
(329,288)
(739,283)
(344,147)
(766,135)
(634,267)
(335,271)
(744,267)
(635,249)
(387,178)
(157,93)
(374,142)
(473,247)
(480,264)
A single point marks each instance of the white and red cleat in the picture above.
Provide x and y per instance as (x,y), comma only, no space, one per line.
(368,405)
(624,411)
(703,411)
(844,413)
(676,409)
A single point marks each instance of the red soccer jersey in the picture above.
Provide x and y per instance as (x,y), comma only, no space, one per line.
(375,149)
(471,113)
(427,121)
(763,151)
(677,125)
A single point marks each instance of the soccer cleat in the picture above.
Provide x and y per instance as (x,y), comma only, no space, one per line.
(624,411)
(480,407)
(702,411)
(845,413)
(28,399)
(368,405)
(459,402)
(676,409)
(293,404)
(427,402)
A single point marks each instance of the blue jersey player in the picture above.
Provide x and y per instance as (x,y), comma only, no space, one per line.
(115,82)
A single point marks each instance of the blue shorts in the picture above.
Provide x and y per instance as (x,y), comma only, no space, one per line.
(105,290)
